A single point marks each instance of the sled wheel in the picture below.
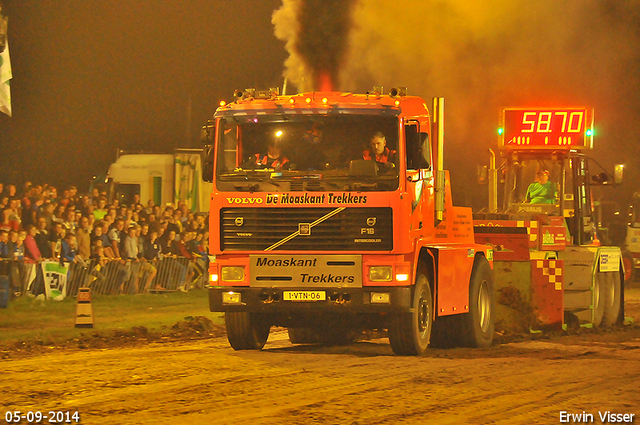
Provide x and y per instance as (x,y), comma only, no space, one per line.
(599,288)
(611,302)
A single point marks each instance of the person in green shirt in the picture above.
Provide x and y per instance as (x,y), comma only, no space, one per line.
(542,191)
(100,210)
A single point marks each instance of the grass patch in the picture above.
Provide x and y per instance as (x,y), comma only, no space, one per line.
(28,319)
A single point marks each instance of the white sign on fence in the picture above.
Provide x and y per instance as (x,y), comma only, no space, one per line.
(55,280)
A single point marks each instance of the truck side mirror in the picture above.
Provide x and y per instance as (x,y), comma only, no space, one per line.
(617,173)
(207,172)
(418,149)
(208,133)
(207,164)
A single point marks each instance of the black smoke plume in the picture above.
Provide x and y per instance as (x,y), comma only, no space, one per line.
(316,33)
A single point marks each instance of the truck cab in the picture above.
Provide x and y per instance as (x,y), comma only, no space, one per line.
(331,213)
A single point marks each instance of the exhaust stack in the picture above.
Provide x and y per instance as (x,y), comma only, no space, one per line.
(437,130)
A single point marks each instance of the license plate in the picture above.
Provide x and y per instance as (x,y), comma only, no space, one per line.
(304,295)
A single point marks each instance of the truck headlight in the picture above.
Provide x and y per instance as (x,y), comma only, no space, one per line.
(380,273)
(232,274)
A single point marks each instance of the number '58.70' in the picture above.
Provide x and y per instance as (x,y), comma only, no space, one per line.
(544,122)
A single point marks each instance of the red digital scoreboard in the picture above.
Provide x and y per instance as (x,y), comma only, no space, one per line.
(547,128)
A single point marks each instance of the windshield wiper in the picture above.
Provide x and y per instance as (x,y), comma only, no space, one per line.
(249,187)
(267,180)
(361,186)
(248,184)
(318,185)
(239,173)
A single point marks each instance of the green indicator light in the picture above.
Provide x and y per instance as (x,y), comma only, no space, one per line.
(500,131)
(589,132)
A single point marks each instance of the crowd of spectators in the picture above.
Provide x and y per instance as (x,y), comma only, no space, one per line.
(39,223)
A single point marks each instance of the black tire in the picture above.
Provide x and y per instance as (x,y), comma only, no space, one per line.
(629,268)
(599,288)
(477,326)
(303,336)
(410,333)
(246,331)
(611,303)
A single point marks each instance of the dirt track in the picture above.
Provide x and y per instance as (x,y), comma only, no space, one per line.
(207,382)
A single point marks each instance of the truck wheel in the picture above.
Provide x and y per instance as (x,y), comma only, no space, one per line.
(629,269)
(611,302)
(410,333)
(303,336)
(246,331)
(599,285)
(478,324)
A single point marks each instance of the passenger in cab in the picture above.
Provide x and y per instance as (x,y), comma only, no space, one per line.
(379,151)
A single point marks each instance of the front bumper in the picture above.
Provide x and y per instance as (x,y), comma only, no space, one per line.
(338,300)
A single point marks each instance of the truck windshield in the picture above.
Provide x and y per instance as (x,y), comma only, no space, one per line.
(322,153)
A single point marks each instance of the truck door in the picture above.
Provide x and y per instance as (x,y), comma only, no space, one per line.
(581,225)
(418,162)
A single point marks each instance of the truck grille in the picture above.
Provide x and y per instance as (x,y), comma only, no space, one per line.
(329,229)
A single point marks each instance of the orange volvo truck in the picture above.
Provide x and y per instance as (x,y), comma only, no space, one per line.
(549,266)
(331,213)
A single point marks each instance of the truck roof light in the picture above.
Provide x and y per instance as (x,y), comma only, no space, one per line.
(308,100)
(325,100)
(222,103)
(397,103)
(292,101)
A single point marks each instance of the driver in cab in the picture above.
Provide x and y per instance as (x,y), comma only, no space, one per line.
(272,159)
(542,191)
(379,151)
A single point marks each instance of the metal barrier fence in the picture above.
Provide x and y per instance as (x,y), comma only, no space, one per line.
(112,276)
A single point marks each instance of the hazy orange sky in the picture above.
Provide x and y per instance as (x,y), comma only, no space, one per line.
(91,76)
